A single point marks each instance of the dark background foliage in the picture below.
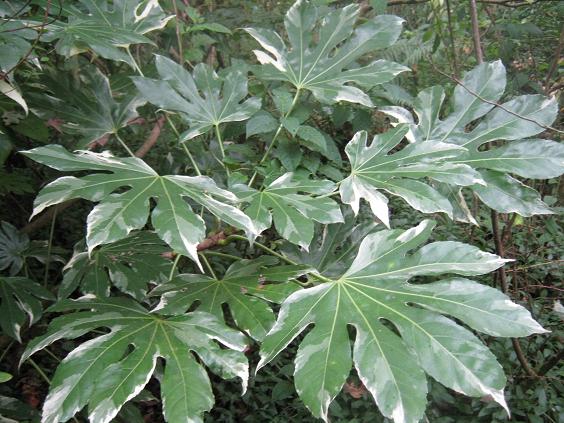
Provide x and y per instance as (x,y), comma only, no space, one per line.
(527,35)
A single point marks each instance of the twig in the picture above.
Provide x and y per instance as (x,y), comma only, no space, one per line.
(493,103)
(152,138)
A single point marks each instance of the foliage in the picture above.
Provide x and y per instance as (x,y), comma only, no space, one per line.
(302,250)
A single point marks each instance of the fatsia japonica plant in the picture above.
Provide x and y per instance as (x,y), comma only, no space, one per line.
(266,186)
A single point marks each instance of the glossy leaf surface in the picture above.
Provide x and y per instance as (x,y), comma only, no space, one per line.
(293,213)
(20,302)
(400,330)
(374,170)
(117,214)
(203,99)
(129,264)
(105,372)
(245,288)
(325,67)
(105,28)
(519,118)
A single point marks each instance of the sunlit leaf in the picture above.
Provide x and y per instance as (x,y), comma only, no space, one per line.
(105,372)
(400,330)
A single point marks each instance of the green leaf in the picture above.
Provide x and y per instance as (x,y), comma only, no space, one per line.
(261,123)
(245,288)
(106,28)
(85,106)
(20,302)
(117,214)
(129,264)
(105,372)
(508,195)
(327,66)
(293,213)
(522,117)
(536,159)
(400,330)
(13,244)
(374,170)
(316,140)
(221,100)
(5,377)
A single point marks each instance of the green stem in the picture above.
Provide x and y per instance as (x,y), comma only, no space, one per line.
(218,254)
(40,371)
(220,142)
(6,350)
(176,260)
(49,246)
(135,65)
(276,134)
(52,355)
(207,263)
(196,168)
(124,145)
(178,35)
(280,256)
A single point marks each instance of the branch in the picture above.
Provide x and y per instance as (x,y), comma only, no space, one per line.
(152,138)
(494,217)
(493,103)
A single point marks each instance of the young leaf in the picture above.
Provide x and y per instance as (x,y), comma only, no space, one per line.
(85,106)
(245,288)
(523,117)
(109,370)
(107,28)
(117,214)
(374,170)
(129,264)
(293,213)
(20,300)
(220,101)
(325,67)
(401,332)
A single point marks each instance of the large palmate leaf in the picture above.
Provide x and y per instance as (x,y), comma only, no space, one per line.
(109,370)
(129,264)
(245,288)
(107,28)
(202,98)
(293,213)
(118,213)
(85,106)
(327,66)
(533,158)
(20,301)
(374,170)
(400,330)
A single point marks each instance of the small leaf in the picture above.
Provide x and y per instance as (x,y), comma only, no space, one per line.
(292,212)
(20,302)
(128,264)
(13,244)
(261,123)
